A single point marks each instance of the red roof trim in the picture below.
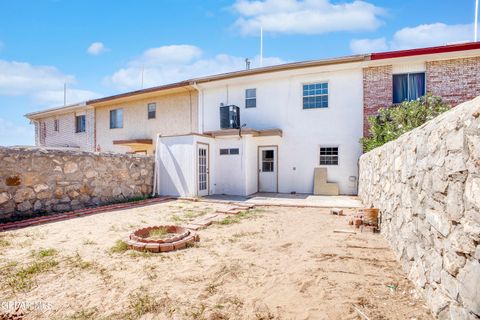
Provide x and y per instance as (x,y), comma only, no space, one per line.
(422,51)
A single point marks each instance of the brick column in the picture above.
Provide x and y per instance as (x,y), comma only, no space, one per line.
(455,80)
(377,91)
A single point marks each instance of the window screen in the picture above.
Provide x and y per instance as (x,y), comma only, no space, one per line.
(328,156)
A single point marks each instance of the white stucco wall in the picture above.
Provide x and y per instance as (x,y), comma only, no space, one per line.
(177,164)
(279,105)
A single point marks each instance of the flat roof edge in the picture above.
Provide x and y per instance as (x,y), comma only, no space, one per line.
(428,50)
(283,67)
(35,114)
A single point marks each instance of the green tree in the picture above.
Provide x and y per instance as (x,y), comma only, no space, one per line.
(392,122)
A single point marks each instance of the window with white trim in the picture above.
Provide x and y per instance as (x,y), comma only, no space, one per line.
(328,156)
(80,123)
(152,110)
(250,98)
(116,118)
(231,151)
(315,95)
(408,86)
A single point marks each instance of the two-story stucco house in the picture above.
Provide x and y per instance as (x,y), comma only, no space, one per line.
(267,129)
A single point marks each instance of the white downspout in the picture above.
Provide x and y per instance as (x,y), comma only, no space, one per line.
(156,173)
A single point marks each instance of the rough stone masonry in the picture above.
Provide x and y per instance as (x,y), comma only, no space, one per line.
(36,180)
(427,186)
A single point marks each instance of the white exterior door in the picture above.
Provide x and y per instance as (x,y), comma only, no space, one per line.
(203,169)
(267,169)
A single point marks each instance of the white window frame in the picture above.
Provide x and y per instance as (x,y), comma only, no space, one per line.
(85,123)
(228,151)
(250,98)
(110,118)
(408,75)
(320,155)
(316,82)
(154,104)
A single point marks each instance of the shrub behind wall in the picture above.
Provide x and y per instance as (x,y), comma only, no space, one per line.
(390,123)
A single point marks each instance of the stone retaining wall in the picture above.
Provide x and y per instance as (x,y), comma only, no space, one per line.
(34,180)
(427,186)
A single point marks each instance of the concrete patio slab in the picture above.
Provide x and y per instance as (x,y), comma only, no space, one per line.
(298,200)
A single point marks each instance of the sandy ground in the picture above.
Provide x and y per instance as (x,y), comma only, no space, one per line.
(277,263)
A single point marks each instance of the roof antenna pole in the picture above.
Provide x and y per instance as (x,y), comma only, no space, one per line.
(64,93)
(476,21)
(261,46)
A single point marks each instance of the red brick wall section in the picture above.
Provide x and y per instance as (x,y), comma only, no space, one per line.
(377,91)
(455,80)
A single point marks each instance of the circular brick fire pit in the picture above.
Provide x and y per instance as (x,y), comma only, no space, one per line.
(161,238)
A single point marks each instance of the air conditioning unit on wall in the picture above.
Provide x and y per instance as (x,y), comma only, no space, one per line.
(229,117)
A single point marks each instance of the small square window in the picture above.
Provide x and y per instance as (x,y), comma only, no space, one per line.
(224,152)
(152,110)
(250,98)
(80,123)
(234,151)
(328,156)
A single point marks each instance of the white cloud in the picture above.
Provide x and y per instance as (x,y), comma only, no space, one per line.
(182,53)
(368,45)
(15,134)
(173,63)
(42,84)
(424,35)
(96,48)
(306,16)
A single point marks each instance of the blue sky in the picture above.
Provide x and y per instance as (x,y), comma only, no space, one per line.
(101,47)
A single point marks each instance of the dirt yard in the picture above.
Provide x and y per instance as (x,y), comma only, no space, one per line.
(272,263)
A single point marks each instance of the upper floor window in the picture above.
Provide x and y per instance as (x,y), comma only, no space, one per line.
(80,123)
(251,98)
(56,125)
(152,110)
(116,118)
(408,86)
(328,155)
(315,95)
